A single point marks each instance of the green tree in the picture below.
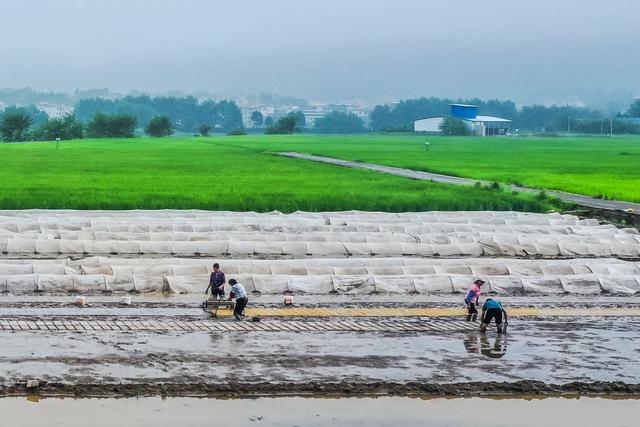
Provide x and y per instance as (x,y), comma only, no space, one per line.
(381,117)
(104,125)
(454,126)
(159,126)
(14,126)
(336,122)
(98,126)
(268,122)
(67,127)
(285,125)
(634,108)
(37,117)
(257,119)
(301,120)
(204,130)
(123,126)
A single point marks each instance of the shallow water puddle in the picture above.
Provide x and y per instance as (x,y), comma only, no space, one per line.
(296,411)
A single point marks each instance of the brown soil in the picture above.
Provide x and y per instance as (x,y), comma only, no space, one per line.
(342,389)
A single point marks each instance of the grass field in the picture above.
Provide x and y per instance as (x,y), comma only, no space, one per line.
(599,167)
(221,173)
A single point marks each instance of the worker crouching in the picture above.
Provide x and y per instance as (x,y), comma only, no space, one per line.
(493,309)
(240,294)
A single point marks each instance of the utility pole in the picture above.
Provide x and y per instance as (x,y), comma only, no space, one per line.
(569,124)
(610,128)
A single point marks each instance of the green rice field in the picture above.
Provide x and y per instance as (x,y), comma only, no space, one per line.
(598,167)
(230,173)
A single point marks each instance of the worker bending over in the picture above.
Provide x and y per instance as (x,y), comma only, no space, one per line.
(240,294)
(472,298)
(492,309)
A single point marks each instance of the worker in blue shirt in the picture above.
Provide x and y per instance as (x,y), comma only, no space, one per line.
(492,309)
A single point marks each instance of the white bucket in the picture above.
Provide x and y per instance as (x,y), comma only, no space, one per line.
(126,300)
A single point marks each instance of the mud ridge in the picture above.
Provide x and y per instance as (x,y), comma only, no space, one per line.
(523,388)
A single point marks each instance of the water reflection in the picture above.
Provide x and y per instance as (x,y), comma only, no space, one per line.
(478,343)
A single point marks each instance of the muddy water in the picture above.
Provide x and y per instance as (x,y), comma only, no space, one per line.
(384,411)
(552,352)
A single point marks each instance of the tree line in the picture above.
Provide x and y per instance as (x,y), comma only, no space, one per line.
(400,118)
(29,123)
(161,116)
(535,118)
(119,118)
(333,122)
(19,124)
(187,113)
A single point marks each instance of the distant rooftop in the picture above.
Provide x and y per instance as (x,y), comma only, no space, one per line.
(488,119)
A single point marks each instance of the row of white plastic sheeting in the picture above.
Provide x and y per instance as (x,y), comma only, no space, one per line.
(150,226)
(217,236)
(90,218)
(27,283)
(194,214)
(324,284)
(490,247)
(278,266)
(8,269)
(353,237)
(155,225)
(565,248)
(53,248)
(172,231)
(311,266)
(471,269)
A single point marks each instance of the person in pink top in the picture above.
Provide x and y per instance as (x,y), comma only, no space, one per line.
(472,298)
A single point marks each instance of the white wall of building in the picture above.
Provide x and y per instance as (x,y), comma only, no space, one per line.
(54,111)
(430,124)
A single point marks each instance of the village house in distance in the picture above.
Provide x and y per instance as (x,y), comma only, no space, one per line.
(478,125)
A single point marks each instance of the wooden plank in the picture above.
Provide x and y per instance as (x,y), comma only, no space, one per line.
(123,326)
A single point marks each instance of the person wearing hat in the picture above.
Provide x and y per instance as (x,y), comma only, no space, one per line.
(240,294)
(472,298)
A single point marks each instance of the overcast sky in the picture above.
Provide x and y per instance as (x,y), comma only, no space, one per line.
(325,49)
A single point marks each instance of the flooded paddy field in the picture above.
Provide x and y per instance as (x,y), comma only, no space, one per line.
(377,305)
(295,411)
(550,351)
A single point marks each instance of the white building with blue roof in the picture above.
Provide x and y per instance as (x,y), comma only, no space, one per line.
(478,125)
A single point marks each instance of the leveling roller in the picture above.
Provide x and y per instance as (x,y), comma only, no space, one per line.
(211,305)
